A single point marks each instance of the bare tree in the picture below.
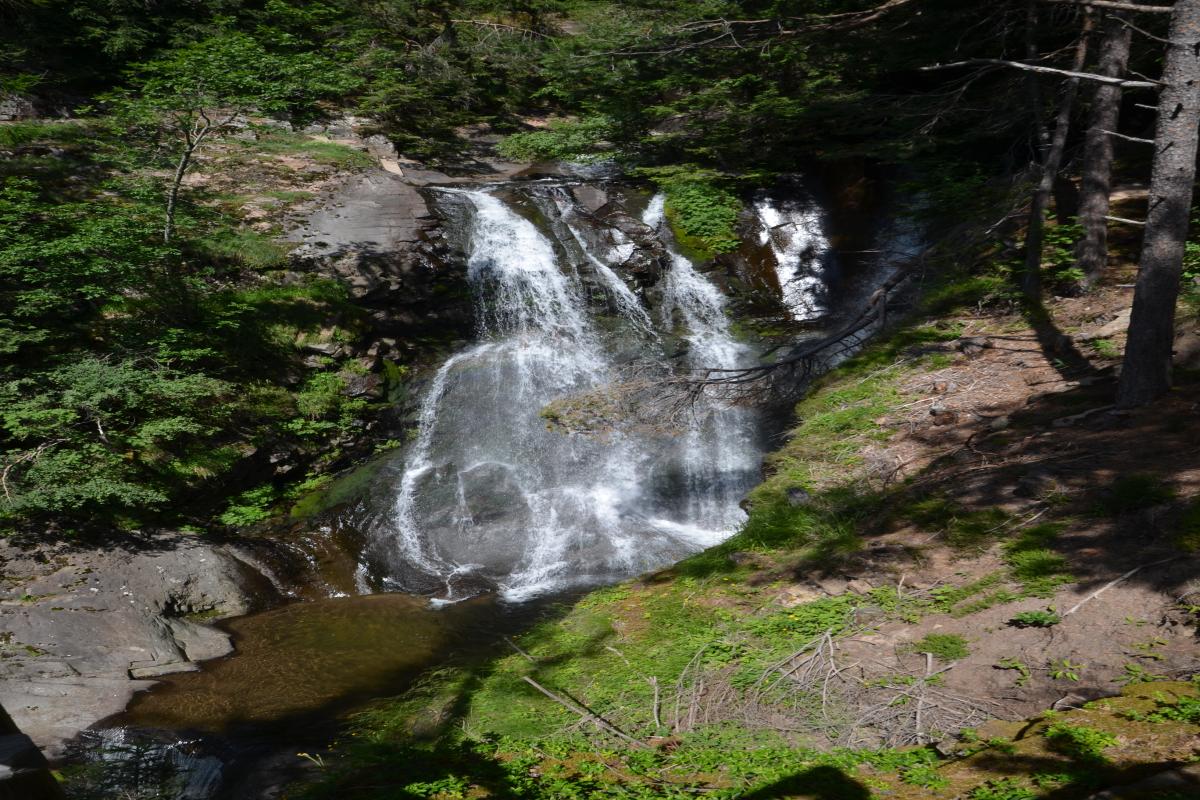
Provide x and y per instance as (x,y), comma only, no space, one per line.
(1031,282)
(193,126)
(1146,373)
(1096,181)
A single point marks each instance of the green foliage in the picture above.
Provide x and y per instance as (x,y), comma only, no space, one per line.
(942,646)
(924,775)
(1058,255)
(807,621)
(1133,674)
(1003,789)
(250,507)
(1184,709)
(1042,618)
(702,211)
(562,140)
(1079,741)
(1105,348)
(1021,667)
(231,69)
(135,374)
(1066,669)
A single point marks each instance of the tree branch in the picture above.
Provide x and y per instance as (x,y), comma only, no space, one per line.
(1114,5)
(1066,73)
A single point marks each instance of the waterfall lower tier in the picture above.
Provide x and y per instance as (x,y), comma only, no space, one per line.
(488,496)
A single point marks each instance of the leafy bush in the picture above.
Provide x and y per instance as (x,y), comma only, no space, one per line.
(703,213)
(249,507)
(1058,255)
(562,140)
(1036,619)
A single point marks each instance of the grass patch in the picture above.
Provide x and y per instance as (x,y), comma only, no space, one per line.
(327,153)
(20,134)
(1038,569)
(942,646)
(1134,492)
(246,247)
(1044,618)
(1188,535)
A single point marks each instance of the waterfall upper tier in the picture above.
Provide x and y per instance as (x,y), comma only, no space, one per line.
(488,496)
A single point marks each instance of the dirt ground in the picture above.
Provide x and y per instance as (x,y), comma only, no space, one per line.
(1021,421)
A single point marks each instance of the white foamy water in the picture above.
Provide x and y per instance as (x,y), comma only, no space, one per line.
(795,233)
(490,497)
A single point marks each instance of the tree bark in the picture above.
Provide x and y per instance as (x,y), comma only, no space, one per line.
(1098,152)
(1031,281)
(1146,371)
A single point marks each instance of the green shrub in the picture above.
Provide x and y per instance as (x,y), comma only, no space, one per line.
(1036,619)
(562,140)
(702,212)
(250,507)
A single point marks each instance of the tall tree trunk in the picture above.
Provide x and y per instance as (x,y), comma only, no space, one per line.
(1098,152)
(1031,281)
(1033,87)
(1146,372)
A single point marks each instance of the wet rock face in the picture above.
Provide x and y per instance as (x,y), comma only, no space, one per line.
(85,628)
(376,236)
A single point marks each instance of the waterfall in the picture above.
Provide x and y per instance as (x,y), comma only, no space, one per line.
(623,298)
(488,497)
(720,446)
(795,233)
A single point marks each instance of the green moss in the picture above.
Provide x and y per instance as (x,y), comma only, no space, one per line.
(322,493)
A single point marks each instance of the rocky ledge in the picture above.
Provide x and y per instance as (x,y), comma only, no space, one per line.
(82,628)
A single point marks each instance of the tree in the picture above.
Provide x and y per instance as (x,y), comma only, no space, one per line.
(1146,372)
(201,88)
(1031,282)
(1096,181)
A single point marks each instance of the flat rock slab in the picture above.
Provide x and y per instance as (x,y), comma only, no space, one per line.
(79,626)
(377,212)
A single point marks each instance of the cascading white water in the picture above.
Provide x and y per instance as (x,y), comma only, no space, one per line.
(490,497)
(721,444)
(795,233)
(623,298)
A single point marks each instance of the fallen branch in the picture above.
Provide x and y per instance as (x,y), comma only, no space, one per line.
(1113,583)
(582,711)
